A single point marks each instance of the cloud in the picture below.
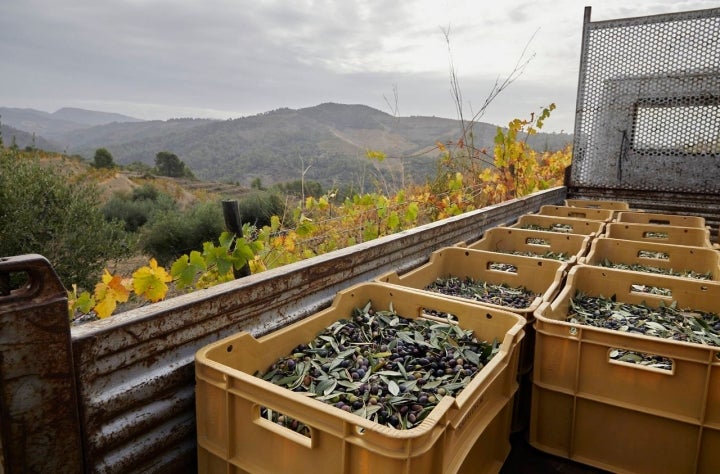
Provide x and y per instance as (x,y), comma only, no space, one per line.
(242,57)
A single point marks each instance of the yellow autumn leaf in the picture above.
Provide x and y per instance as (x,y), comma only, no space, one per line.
(117,286)
(274,223)
(108,293)
(289,243)
(105,307)
(150,281)
(257,265)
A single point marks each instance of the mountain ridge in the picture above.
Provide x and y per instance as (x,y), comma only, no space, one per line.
(51,125)
(326,143)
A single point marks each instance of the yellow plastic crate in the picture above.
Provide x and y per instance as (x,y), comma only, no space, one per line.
(541,276)
(467,433)
(598,204)
(619,416)
(661,219)
(508,240)
(603,215)
(545,223)
(661,234)
(678,258)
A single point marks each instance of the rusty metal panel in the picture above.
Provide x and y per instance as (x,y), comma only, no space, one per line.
(39,423)
(648,105)
(135,370)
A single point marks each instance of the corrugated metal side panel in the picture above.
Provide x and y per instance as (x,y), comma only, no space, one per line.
(135,370)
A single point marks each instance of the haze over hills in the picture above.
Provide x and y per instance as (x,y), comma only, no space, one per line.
(23,139)
(325,143)
(54,125)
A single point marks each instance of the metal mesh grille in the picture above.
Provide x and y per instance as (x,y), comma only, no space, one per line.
(648,114)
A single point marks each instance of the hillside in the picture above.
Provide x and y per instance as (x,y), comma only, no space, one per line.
(326,143)
(24,139)
(58,123)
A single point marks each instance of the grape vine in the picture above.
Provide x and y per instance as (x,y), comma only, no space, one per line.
(316,226)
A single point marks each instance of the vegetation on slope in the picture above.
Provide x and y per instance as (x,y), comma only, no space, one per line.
(321,224)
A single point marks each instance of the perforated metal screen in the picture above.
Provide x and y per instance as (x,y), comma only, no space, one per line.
(648,108)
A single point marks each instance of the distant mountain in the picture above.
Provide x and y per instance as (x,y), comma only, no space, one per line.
(24,139)
(56,124)
(91,117)
(325,143)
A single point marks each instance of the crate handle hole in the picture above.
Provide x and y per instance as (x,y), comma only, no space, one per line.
(659,221)
(581,215)
(537,241)
(650,290)
(653,255)
(656,235)
(437,315)
(502,267)
(641,360)
(284,425)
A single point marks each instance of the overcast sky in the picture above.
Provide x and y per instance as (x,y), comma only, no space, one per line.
(159,59)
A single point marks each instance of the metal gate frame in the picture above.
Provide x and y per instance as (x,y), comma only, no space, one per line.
(647,122)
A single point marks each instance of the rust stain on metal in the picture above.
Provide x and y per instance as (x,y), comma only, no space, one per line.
(40,429)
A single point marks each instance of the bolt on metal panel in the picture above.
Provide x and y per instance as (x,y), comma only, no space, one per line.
(648,106)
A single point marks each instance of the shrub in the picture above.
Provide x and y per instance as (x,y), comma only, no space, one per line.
(175,233)
(259,207)
(136,209)
(45,213)
(146,192)
(300,188)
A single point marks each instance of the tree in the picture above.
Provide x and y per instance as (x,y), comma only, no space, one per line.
(45,213)
(168,164)
(256,183)
(103,159)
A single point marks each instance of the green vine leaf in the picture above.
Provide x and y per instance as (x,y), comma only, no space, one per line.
(186,268)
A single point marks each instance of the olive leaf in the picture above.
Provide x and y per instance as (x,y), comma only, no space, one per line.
(393,387)
(382,366)
(665,320)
